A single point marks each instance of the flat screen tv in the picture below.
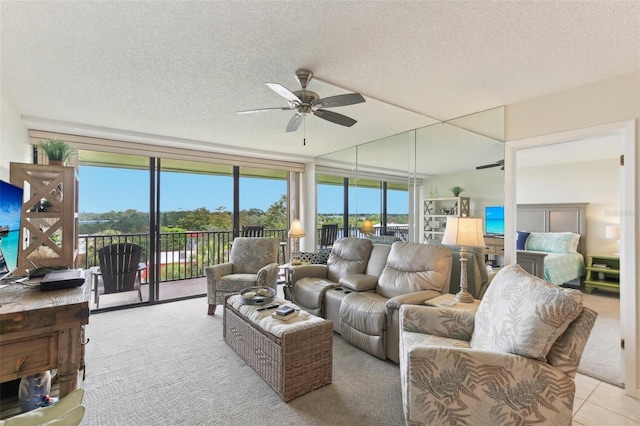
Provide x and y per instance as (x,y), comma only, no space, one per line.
(494,220)
(10,208)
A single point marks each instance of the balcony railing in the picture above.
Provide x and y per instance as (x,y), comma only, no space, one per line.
(184,255)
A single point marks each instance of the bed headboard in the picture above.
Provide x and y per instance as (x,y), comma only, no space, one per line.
(561,217)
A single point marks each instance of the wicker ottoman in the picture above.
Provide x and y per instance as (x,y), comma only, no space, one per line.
(293,357)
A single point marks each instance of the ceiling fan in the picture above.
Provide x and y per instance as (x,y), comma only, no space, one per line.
(307,102)
(499,163)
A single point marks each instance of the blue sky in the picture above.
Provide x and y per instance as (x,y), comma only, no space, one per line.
(104,189)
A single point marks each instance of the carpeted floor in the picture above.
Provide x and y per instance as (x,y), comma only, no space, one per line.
(168,365)
(602,357)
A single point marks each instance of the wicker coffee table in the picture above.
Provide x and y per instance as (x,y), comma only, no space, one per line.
(293,357)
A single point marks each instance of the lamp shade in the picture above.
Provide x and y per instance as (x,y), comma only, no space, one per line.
(367,227)
(612,232)
(463,231)
(296,230)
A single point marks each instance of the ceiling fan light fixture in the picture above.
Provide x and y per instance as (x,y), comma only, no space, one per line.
(307,102)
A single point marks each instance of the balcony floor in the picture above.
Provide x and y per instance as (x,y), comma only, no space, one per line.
(168,290)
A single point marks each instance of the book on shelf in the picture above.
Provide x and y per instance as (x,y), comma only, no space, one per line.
(599,265)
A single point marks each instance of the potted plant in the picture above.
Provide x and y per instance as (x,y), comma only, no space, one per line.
(58,151)
(456,190)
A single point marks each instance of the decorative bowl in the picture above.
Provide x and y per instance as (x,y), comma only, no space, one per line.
(257,295)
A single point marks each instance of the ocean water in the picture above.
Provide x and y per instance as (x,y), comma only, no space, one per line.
(495,226)
(9,247)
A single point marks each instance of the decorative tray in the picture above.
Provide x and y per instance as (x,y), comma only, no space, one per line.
(257,295)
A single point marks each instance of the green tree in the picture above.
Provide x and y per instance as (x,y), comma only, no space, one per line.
(221,219)
(196,220)
(276,216)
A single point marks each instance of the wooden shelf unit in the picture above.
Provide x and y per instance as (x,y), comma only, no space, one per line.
(436,211)
(606,278)
(49,238)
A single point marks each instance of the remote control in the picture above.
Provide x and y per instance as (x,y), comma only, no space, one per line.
(264,308)
(448,303)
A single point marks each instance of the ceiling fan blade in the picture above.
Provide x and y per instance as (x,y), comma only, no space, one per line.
(488,166)
(284,92)
(339,100)
(295,122)
(334,117)
(251,111)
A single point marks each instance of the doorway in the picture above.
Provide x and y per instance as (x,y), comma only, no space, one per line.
(628,293)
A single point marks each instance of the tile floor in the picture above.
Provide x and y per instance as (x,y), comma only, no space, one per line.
(598,404)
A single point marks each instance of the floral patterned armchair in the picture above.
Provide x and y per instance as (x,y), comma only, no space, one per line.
(252,262)
(512,362)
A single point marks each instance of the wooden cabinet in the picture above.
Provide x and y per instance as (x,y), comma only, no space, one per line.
(42,330)
(436,211)
(49,229)
(603,272)
(494,250)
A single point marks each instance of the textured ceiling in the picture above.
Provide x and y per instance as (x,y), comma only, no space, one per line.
(176,72)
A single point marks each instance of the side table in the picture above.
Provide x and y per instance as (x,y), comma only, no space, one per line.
(603,272)
(445,300)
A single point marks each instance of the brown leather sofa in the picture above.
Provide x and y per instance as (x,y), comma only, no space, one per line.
(363,286)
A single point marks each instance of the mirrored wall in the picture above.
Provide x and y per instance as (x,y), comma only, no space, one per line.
(389,180)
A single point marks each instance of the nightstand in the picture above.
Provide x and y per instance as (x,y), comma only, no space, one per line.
(446,298)
(603,272)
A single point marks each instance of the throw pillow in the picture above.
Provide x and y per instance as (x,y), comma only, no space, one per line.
(552,242)
(523,315)
(522,239)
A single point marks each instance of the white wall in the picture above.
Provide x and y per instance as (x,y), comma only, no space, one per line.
(14,138)
(483,187)
(593,182)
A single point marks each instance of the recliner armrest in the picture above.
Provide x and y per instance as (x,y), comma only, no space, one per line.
(415,298)
(359,282)
(441,322)
(310,271)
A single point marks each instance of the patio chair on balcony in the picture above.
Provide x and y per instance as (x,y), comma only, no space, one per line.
(252,262)
(119,270)
(328,235)
(253,231)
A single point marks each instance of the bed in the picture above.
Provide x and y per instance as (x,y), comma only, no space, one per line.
(551,241)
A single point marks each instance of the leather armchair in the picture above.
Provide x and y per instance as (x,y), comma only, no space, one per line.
(252,262)
(413,274)
(499,365)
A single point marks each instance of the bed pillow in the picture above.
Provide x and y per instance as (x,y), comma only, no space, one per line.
(523,315)
(522,239)
(552,242)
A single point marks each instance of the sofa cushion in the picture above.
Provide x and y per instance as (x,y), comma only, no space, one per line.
(348,256)
(414,267)
(249,255)
(359,282)
(377,259)
(523,315)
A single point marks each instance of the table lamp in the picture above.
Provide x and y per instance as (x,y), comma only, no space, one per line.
(367,228)
(612,232)
(464,232)
(296,232)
